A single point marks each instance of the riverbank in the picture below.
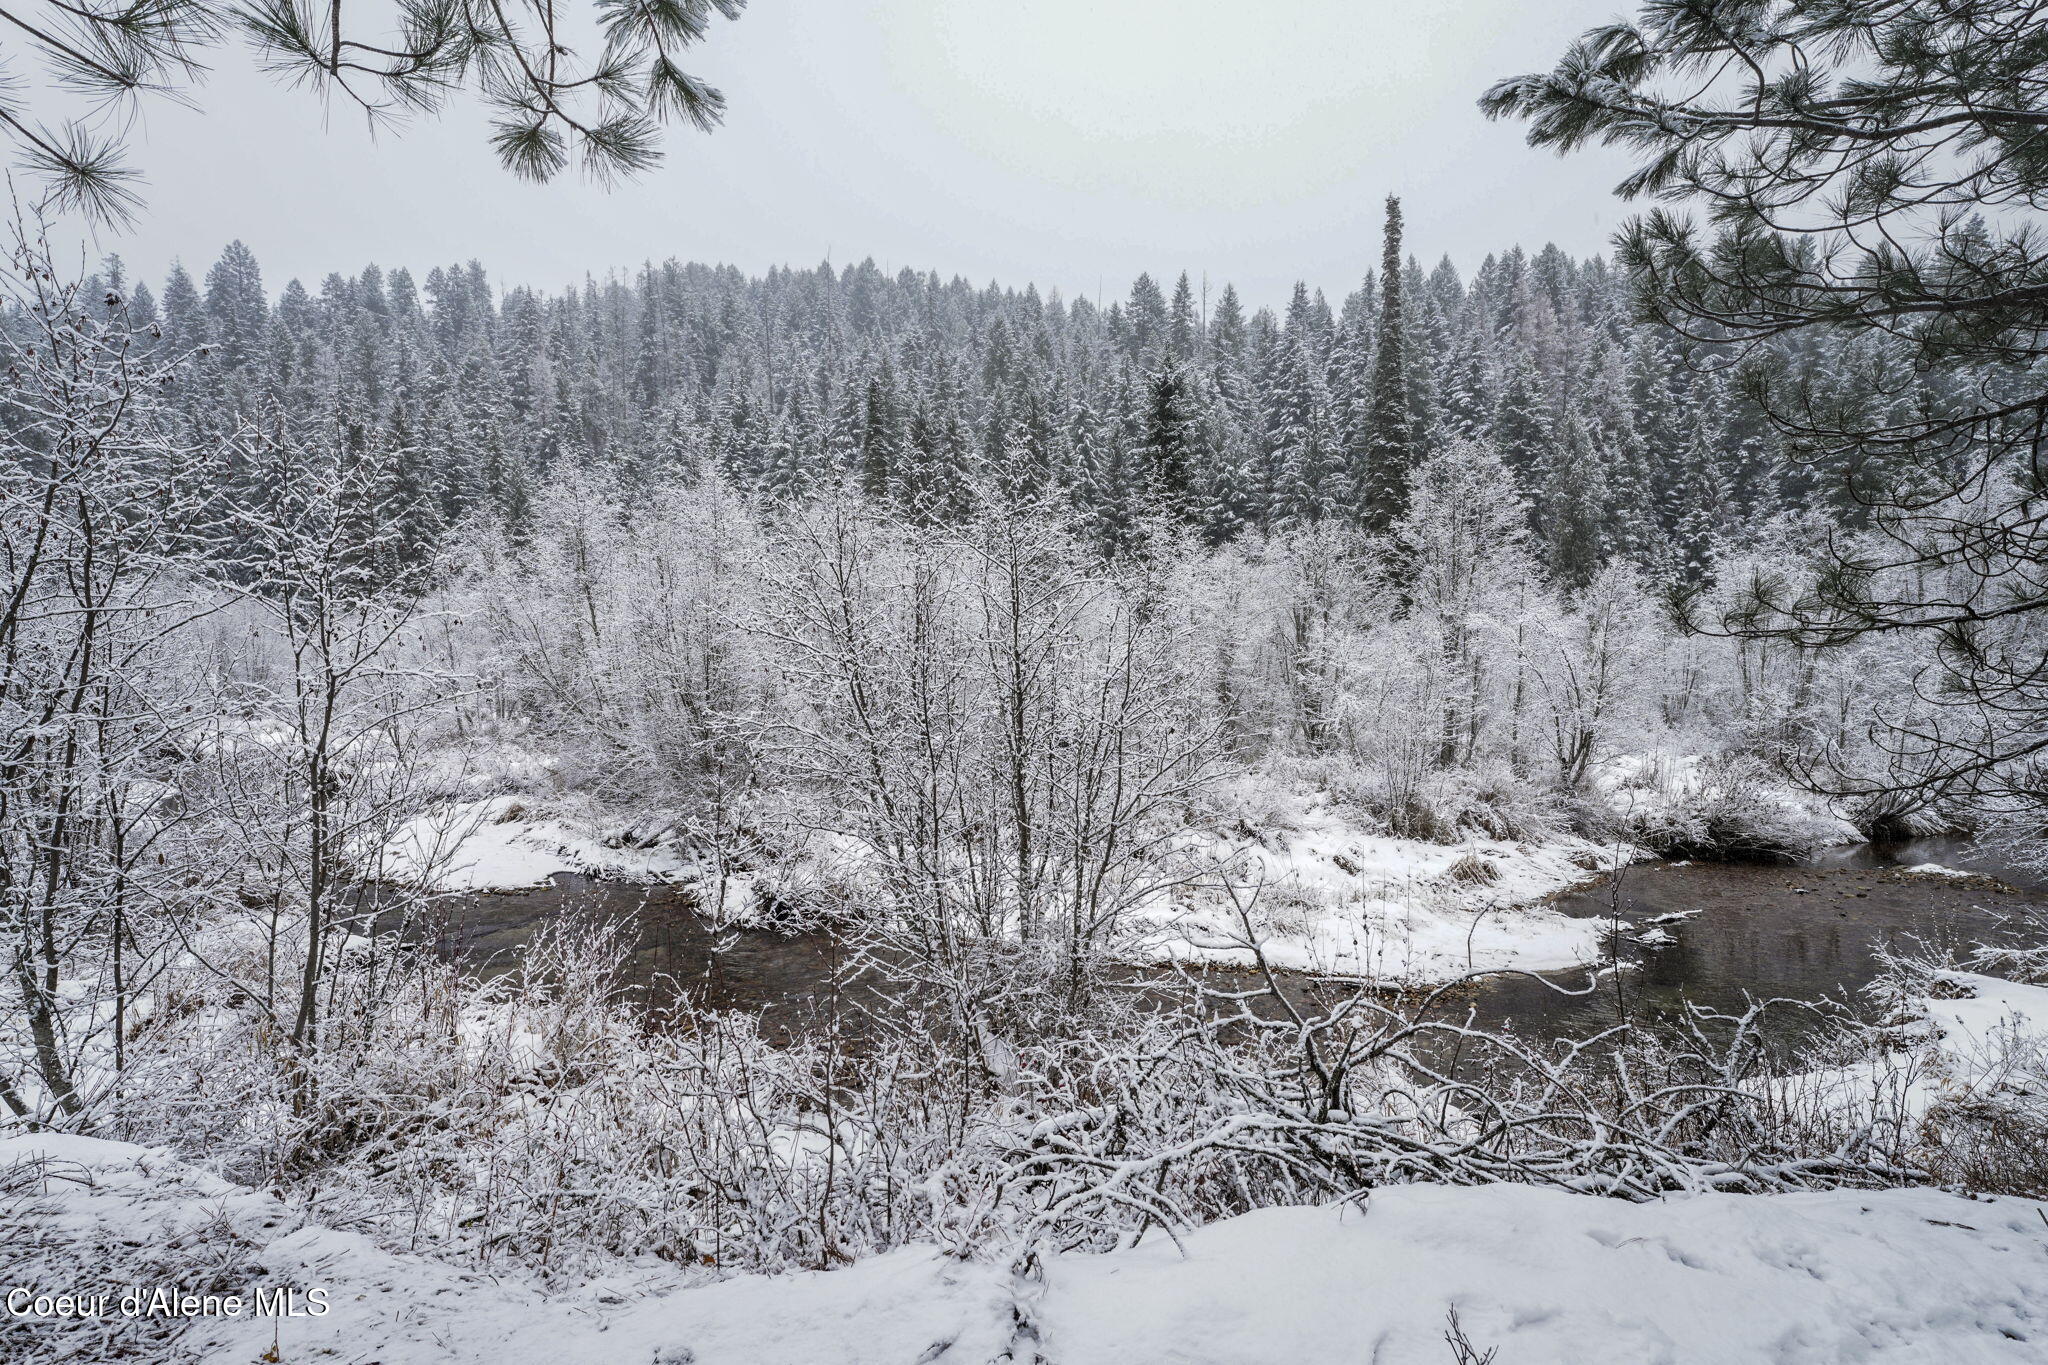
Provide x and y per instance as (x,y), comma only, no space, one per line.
(1547,1273)
(1315,888)
(1321,895)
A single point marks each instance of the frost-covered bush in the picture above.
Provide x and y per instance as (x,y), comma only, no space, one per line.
(1945,1072)
(544,1119)
(1974,1022)
(1729,807)
(1435,806)
(1435,681)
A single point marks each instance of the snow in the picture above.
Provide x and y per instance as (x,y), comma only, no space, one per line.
(1935,870)
(1547,1277)
(1333,895)
(1337,898)
(70,1149)
(493,845)
(1969,1041)
(1664,788)
(1991,1008)
(1334,899)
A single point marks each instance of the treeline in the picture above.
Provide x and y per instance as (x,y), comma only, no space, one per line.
(1173,401)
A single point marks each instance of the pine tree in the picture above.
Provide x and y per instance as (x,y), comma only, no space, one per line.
(1522,428)
(1305,447)
(236,307)
(1227,330)
(1172,446)
(1699,496)
(1146,319)
(184,316)
(1383,483)
(142,308)
(1183,329)
(1571,504)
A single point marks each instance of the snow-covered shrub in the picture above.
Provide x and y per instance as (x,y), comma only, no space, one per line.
(1435,806)
(1975,1023)
(544,1118)
(1945,1073)
(1718,807)
(1473,870)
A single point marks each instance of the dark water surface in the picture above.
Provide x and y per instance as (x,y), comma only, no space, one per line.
(790,979)
(1717,934)
(1751,931)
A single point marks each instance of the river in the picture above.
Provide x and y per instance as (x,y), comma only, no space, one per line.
(1711,933)
(1720,934)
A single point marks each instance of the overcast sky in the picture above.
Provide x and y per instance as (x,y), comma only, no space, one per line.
(1067,143)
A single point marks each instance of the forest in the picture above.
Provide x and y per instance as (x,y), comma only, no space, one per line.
(940,396)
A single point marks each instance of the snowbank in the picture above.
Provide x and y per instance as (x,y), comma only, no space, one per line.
(493,845)
(1982,1010)
(1546,1277)
(1716,805)
(1334,899)
(1976,1036)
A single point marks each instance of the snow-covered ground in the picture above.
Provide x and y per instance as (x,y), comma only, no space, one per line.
(1332,897)
(1973,1040)
(495,844)
(1548,1278)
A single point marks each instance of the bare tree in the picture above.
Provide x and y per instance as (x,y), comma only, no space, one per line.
(96,502)
(321,753)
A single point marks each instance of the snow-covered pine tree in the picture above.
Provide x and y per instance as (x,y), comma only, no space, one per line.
(1383,482)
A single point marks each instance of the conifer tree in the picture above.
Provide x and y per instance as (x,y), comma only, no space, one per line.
(1147,322)
(1383,482)
(184,317)
(1183,328)
(1172,441)
(1571,505)
(236,307)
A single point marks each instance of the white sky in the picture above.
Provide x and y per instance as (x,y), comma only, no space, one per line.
(1067,143)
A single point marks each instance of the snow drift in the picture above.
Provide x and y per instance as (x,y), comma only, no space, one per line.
(1546,1277)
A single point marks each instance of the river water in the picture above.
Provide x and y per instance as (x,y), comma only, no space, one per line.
(1716,934)
(1721,934)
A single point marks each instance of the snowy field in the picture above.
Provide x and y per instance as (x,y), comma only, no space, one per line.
(1546,1277)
